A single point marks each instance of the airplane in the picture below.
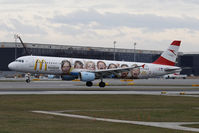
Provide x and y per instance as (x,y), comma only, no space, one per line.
(89,70)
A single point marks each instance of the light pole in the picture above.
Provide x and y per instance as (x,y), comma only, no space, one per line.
(114,42)
(15,37)
(134,52)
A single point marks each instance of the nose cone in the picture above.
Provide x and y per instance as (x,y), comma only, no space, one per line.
(11,66)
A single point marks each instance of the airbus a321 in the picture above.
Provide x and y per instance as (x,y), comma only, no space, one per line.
(89,69)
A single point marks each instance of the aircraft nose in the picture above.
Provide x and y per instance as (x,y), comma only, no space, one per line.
(11,66)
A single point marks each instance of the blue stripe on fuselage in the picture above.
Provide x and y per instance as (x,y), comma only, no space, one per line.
(74,73)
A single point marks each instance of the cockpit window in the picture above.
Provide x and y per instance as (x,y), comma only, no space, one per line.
(22,61)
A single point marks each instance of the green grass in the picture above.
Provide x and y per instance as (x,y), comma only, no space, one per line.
(16,115)
(192,125)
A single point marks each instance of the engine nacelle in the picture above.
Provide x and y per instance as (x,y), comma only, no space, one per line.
(87,76)
(68,77)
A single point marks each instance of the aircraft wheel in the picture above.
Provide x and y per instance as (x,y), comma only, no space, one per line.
(89,83)
(102,84)
(27,80)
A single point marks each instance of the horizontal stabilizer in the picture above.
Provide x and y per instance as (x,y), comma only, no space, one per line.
(172,69)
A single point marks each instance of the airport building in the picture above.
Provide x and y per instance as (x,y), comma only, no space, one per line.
(9,51)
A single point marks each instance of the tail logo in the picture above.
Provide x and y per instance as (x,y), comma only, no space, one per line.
(172,51)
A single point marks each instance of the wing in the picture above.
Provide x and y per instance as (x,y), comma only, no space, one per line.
(115,71)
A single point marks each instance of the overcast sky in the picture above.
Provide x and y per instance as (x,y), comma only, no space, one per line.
(152,24)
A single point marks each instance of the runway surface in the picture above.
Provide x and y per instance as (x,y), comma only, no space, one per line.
(151,84)
(145,87)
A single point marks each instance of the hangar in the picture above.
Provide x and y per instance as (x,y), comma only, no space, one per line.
(9,51)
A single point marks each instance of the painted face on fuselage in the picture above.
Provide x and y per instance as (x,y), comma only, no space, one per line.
(66,66)
(78,65)
(111,66)
(101,65)
(90,65)
(124,74)
(135,72)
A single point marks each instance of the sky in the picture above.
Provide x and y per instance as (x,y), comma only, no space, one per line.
(151,24)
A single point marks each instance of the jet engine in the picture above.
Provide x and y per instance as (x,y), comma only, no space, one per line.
(87,76)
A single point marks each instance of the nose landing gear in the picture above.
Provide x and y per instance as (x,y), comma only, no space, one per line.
(27,80)
(27,77)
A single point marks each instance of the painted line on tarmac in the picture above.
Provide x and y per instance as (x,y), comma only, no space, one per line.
(79,92)
(196,85)
(169,125)
(163,93)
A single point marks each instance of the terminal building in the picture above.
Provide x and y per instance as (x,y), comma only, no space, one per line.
(9,51)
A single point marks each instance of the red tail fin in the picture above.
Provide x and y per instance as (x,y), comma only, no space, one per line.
(169,56)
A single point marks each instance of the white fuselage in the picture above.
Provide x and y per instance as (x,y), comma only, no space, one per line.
(56,66)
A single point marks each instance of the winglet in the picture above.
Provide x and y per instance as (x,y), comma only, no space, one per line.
(169,56)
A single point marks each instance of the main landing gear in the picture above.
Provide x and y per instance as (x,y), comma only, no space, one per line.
(89,83)
(101,84)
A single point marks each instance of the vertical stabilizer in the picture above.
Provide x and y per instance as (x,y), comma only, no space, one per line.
(169,56)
